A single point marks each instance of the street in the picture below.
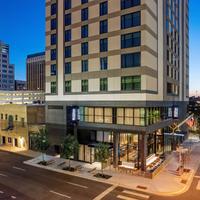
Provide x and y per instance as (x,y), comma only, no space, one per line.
(19,181)
(27,183)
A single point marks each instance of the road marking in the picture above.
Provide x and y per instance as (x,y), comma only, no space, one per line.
(136,194)
(13,197)
(198,186)
(125,198)
(4,175)
(78,185)
(62,195)
(18,168)
(1,192)
(103,194)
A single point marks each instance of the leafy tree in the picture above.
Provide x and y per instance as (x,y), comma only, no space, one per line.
(41,142)
(69,147)
(102,154)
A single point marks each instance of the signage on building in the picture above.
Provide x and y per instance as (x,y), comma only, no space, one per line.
(170,112)
(175,113)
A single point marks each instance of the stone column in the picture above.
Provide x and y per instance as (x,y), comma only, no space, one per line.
(115,149)
(143,150)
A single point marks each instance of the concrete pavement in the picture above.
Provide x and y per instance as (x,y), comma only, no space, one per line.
(167,182)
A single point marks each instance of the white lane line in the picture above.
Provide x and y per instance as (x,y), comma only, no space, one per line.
(18,168)
(103,194)
(78,185)
(198,186)
(125,198)
(1,192)
(59,194)
(4,175)
(13,197)
(136,194)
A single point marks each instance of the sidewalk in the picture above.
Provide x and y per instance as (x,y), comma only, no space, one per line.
(166,183)
(20,151)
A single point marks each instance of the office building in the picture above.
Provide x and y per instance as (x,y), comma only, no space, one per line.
(117,71)
(35,71)
(7,70)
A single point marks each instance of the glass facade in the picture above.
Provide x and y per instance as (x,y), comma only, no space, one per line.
(123,116)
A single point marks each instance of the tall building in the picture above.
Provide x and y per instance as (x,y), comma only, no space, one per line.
(117,72)
(7,70)
(35,71)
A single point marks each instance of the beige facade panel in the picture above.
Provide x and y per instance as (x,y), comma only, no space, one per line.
(93,85)
(149,83)
(114,84)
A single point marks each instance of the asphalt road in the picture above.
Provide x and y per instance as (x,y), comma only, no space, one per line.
(19,181)
(23,182)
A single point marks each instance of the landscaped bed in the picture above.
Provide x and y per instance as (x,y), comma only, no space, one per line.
(105,176)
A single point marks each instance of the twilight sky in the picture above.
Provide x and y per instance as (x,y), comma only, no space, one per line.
(22,26)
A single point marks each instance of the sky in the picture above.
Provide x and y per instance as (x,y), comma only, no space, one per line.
(22,26)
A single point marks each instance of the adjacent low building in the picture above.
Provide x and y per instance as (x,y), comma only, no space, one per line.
(22,97)
(17,122)
(20,85)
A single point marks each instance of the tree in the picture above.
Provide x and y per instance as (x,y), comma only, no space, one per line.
(69,147)
(41,142)
(102,154)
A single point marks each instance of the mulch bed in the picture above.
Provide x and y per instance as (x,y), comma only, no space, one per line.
(105,176)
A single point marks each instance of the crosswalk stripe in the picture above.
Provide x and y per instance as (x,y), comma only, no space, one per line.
(125,198)
(136,194)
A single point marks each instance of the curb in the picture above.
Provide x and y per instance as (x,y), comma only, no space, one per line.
(176,193)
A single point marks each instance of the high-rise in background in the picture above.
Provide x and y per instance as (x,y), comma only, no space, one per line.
(7,76)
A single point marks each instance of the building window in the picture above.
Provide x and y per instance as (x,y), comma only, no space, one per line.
(68,19)
(103,8)
(68,86)
(53,39)
(53,70)
(103,84)
(129,3)
(84,65)
(68,4)
(68,52)
(53,24)
(103,45)
(84,31)
(84,1)
(103,26)
(53,87)
(130,40)
(129,83)
(53,54)
(84,48)
(53,9)
(84,85)
(84,14)
(104,63)
(68,68)
(130,20)
(130,60)
(67,35)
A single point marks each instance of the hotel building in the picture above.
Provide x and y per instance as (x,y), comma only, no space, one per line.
(117,71)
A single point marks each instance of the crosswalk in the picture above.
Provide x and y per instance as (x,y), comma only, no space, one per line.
(132,195)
